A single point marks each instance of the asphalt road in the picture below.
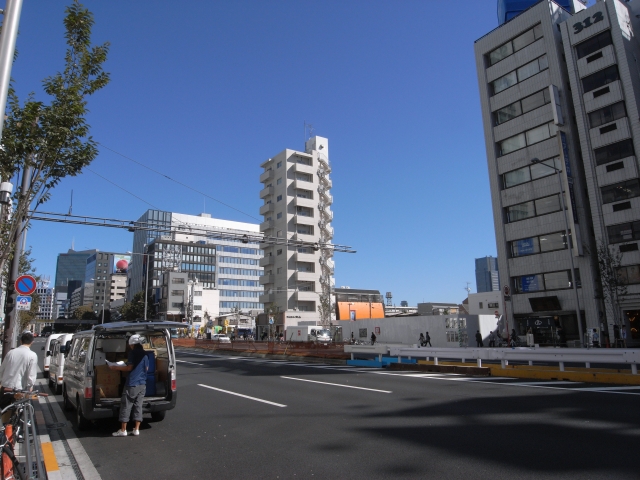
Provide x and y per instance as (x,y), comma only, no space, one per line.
(291,422)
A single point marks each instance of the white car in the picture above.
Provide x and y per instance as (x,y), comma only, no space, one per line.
(56,367)
(220,338)
(47,352)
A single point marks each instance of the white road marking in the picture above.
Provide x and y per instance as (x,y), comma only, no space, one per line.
(600,389)
(243,396)
(192,363)
(337,385)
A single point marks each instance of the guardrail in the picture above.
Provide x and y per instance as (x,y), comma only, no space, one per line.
(504,355)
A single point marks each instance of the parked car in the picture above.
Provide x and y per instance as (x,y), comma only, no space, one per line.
(57,359)
(47,353)
(94,390)
(220,338)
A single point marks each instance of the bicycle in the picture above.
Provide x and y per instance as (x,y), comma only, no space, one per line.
(20,427)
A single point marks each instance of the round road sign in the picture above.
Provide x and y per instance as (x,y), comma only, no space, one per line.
(25,285)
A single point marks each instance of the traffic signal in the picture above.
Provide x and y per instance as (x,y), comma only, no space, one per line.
(10,300)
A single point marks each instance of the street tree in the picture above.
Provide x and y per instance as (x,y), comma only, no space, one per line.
(84,312)
(134,310)
(51,136)
(614,284)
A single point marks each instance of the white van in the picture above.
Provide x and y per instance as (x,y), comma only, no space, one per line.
(47,352)
(56,367)
(94,391)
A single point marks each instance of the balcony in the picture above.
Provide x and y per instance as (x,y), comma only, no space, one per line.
(267,298)
(304,220)
(303,184)
(304,202)
(303,296)
(264,209)
(265,192)
(306,276)
(268,175)
(328,198)
(266,261)
(306,257)
(266,225)
(266,279)
(302,168)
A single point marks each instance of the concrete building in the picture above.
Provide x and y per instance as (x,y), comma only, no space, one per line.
(209,250)
(104,273)
(297,203)
(485,303)
(435,308)
(487,277)
(47,305)
(559,93)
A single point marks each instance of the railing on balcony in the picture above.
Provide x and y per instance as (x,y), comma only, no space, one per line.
(266,176)
(266,192)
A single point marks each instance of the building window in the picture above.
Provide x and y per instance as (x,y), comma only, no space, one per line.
(279,270)
(629,274)
(279,165)
(600,79)
(613,152)
(492,305)
(593,44)
(620,191)
(480,305)
(519,75)
(545,281)
(279,216)
(279,181)
(197,293)
(540,244)
(518,43)
(523,106)
(530,172)
(177,293)
(279,251)
(177,304)
(197,307)
(279,198)
(525,139)
(304,177)
(607,114)
(533,208)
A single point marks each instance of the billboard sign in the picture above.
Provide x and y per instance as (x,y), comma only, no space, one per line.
(121,263)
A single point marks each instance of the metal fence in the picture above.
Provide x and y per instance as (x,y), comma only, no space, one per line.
(307,349)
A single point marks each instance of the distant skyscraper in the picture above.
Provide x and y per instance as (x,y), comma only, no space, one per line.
(487,279)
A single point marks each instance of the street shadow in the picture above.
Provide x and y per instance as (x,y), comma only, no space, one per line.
(543,433)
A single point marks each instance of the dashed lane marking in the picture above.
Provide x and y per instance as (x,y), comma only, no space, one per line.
(338,385)
(243,396)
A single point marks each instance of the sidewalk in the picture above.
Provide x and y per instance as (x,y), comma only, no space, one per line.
(64,455)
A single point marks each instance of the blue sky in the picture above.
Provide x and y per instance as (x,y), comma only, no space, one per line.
(205,91)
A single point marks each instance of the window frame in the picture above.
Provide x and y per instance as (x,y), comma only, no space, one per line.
(535,208)
(542,66)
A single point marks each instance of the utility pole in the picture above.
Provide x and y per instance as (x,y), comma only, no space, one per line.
(12,11)
(10,321)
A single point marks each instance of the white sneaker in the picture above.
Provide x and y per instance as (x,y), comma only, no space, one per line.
(120,433)
(135,433)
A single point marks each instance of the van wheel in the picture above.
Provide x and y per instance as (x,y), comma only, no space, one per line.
(57,389)
(65,400)
(158,416)
(83,423)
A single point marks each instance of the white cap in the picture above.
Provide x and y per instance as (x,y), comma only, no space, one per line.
(135,338)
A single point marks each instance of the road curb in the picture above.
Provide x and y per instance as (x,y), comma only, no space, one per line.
(573,374)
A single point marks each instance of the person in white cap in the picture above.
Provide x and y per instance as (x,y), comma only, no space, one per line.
(134,390)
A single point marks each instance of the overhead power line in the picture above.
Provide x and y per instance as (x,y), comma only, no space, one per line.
(186,229)
(157,172)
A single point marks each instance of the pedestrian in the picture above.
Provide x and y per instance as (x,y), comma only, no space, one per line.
(427,339)
(616,336)
(135,387)
(373,338)
(421,340)
(595,339)
(492,339)
(353,339)
(623,336)
(479,339)
(562,336)
(18,371)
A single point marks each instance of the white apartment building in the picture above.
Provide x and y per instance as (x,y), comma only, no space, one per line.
(559,102)
(296,208)
(47,301)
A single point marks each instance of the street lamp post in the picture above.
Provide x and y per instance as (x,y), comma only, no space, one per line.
(569,245)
